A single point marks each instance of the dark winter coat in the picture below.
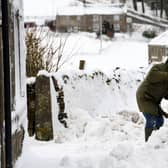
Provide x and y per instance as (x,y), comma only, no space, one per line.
(153,89)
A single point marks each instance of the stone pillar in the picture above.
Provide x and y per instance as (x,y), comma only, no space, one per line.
(43,116)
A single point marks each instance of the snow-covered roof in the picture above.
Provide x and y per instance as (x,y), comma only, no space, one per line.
(92,9)
(39,20)
(162,39)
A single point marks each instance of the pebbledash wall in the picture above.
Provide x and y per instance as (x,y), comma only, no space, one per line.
(77,91)
(18,82)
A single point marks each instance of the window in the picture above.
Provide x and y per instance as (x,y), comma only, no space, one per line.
(96,27)
(67,18)
(78,18)
(116,18)
(116,27)
(75,29)
(69,29)
(154,51)
(166,51)
(95,18)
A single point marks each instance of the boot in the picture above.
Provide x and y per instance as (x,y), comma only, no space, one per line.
(148,132)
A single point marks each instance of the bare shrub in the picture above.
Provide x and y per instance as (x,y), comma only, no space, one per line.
(45,50)
(34,55)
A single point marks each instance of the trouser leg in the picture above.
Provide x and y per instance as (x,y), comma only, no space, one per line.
(148,132)
(152,123)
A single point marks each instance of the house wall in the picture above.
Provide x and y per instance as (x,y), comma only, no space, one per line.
(123,22)
(86,23)
(18,82)
(118,21)
(156,53)
(74,23)
(62,23)
(89,22)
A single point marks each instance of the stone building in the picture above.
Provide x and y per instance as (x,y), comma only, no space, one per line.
(18,81)
(92,18)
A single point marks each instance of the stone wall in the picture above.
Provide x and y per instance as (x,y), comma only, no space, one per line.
(61,104)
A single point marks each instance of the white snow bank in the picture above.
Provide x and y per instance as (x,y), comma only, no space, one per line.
(100,94)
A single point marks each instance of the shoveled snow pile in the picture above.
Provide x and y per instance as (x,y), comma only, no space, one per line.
(95,95)
(98,93)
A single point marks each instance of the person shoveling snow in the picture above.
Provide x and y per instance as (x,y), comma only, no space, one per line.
(149,96)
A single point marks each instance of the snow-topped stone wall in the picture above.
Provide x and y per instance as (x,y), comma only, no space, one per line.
(100,94)
(95,96)
(61,96)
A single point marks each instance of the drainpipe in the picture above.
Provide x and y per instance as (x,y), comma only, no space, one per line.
(7,94)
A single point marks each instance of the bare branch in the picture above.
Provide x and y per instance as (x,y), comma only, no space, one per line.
(45,50)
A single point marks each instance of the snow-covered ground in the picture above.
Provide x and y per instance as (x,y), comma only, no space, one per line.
(105,128)
(109,142)
(129,50)
(107,54)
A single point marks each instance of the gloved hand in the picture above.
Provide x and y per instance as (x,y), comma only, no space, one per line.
(165,114)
